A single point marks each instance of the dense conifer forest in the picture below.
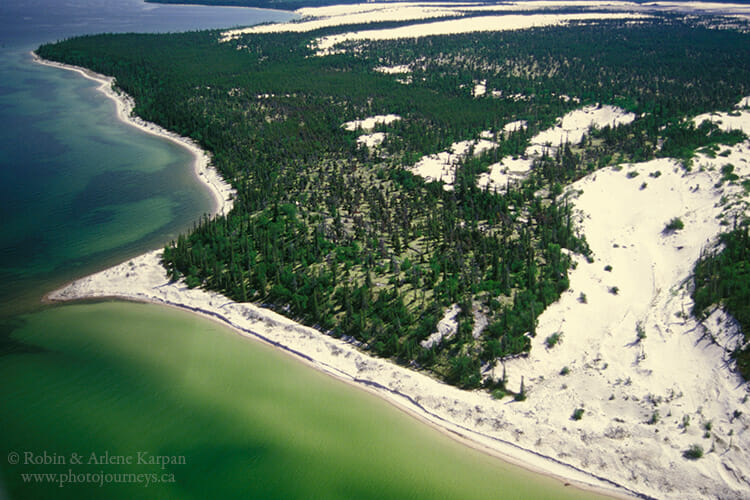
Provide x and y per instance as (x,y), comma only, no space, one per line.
(722,276)
(345,237)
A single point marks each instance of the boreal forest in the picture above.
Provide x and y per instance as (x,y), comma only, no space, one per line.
(346,238)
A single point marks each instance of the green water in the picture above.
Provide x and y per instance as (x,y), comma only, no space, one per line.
(81,191)
(251,422)
(124,378)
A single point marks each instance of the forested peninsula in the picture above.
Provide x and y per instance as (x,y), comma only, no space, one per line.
(344,236)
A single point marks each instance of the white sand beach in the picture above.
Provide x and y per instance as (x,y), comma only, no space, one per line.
(648,379)
(636,395)
(222,192)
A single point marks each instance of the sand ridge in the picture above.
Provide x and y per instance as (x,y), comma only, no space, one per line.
(635,394)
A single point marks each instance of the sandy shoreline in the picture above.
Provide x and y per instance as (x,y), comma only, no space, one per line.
(221,191)
(222,194)
(143,279)
(145,276)
(612,449)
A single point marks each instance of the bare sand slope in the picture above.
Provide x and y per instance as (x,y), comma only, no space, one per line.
(644,401)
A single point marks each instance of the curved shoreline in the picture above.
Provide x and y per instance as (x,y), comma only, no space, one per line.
(222,194)
(505,430)
(221,191)
(142,279)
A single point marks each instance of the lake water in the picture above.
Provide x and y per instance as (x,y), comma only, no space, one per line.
(249,421)
(81,191)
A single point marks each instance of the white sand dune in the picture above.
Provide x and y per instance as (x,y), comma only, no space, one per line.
(507,170)
(446,327)
(313,18)
(514,126)
(673,375)
(393,70)
(575,124)
(480,88)
(674,372)
(570,128)
(338,15)
(442,166)
(371,140)
(325,45)
(369,123)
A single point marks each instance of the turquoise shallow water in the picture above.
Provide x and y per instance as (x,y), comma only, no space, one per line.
(121,378)
(80,191)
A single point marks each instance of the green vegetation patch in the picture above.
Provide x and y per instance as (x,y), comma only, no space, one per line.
(723,277)
(683,139)
(344,237)
(694,452)
(673,225)
(553,339)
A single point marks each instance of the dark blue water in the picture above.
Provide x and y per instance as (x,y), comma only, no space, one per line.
(27,23)
(79,190)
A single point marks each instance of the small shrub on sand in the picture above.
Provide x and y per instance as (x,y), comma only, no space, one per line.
(553,339)
(655,417)
(640,331)
(674,225)
(521,394)
(685,421)
(694,452)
